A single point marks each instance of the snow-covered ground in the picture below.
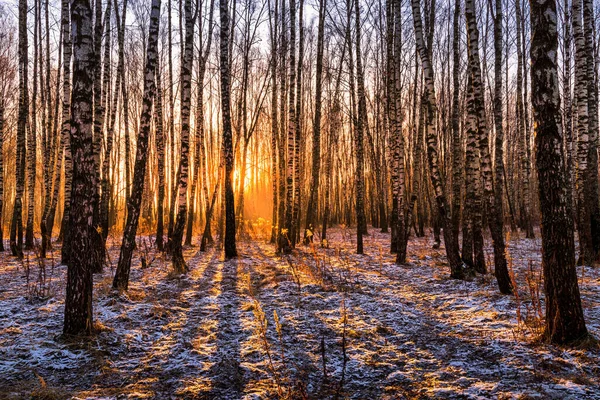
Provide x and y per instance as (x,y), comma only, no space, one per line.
(265,326)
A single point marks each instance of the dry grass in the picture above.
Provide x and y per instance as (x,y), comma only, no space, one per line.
(100,327)
(393,335)
(34,389)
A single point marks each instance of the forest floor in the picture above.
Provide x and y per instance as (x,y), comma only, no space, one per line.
(320,323)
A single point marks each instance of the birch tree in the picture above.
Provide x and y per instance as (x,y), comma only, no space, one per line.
(288,235)
(199,151)
(498,108)
(78,300)
(311,208)
(523,141)
(179,264)
(361,222)
(160,143)
(456,143)
(584,209)
(32,132)
(227,142)
(121,279)
(495,218)
(397,139)
(564,323)
(458,270)
(16,225)
(65,131)
(592,187)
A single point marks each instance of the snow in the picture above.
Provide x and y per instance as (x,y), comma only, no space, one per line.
(407,331)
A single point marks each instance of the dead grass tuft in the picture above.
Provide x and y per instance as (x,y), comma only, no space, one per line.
(100,327)
(103,287)
(35,389)
(137,295)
